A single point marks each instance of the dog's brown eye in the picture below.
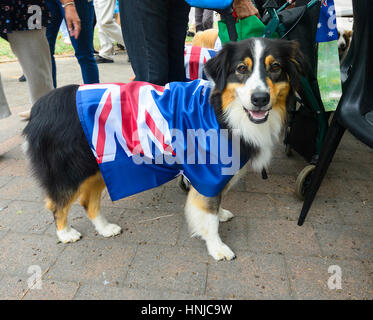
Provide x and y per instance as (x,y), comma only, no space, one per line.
(242,68)
(275,67)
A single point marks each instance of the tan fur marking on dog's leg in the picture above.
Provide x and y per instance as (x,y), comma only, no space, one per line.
(49,204)
(60,213)
(203,220)
(91,190)
(90,194)
(64,232)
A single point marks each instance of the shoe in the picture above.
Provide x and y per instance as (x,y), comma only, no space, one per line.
(22,78)
(120,47)
(100,59)
(25,115)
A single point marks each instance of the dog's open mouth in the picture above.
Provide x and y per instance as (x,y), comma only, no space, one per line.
(258,116)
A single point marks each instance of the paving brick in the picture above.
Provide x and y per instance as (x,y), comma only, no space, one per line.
(95,292)
(26,217)
(15,168)
(143,200)
(99,261)
(3,207)
(282,236)
(339,189)
(20,251)
(3,182)
(21,188)
(352,171)
(12,288)
(283,184)
(323,210)
(361,156)
(15,153)
(368,264)
(286,166)
(253,205)
(309,279)
(144,229)
(249,276)
(3,161)
(53,290)
(172,200)
(168,268)
(9,139)
(358,213)
(345,241)
(3,232)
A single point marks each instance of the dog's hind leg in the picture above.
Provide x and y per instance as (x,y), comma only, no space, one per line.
(203,215)
(90,198)
(64,232)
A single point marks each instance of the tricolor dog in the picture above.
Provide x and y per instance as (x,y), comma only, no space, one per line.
(67,135)
(344,42)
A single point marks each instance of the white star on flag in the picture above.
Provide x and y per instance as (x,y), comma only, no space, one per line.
(330,33)
(319,25)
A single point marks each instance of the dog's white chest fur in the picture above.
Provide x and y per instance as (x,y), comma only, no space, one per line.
(261,136)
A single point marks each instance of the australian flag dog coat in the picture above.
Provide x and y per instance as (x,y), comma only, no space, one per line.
(144,135)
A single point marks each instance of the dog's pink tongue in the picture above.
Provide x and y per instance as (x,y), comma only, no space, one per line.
(258,114)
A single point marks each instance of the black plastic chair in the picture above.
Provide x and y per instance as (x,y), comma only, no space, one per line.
(355,109)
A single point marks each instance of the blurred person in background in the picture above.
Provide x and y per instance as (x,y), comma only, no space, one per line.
(108,30)
(23,26)
(154,33)
(204,19)
(83,43)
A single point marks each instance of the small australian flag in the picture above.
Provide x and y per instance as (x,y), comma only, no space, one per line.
(327,26)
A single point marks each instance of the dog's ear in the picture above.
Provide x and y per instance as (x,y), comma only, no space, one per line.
(348,33)
(297,64)
(217,68)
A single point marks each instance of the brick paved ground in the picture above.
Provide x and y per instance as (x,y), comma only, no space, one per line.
(156,259)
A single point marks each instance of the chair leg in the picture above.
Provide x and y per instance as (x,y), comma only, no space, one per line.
(329,148)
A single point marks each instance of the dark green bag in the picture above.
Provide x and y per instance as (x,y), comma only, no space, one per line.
(246,28)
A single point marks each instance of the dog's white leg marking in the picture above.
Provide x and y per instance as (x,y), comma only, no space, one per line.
(205,225)
(68,235)
(104,228)
(224,215)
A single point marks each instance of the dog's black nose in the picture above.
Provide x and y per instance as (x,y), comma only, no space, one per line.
(260,99)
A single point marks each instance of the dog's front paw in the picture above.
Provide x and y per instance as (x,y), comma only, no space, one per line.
(224,215)
(220,251)
(68,235)
(109,230)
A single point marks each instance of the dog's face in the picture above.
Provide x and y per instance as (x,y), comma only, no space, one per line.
(255,76)
(344,40)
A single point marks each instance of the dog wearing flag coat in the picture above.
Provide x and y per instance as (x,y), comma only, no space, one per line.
(80,140)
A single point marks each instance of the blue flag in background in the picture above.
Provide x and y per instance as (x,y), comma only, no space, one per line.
(327,26)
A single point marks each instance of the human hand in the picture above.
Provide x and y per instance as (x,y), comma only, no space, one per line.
(72,20)
(244,8)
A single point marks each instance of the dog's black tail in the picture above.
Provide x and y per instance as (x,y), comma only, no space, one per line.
(59,154)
